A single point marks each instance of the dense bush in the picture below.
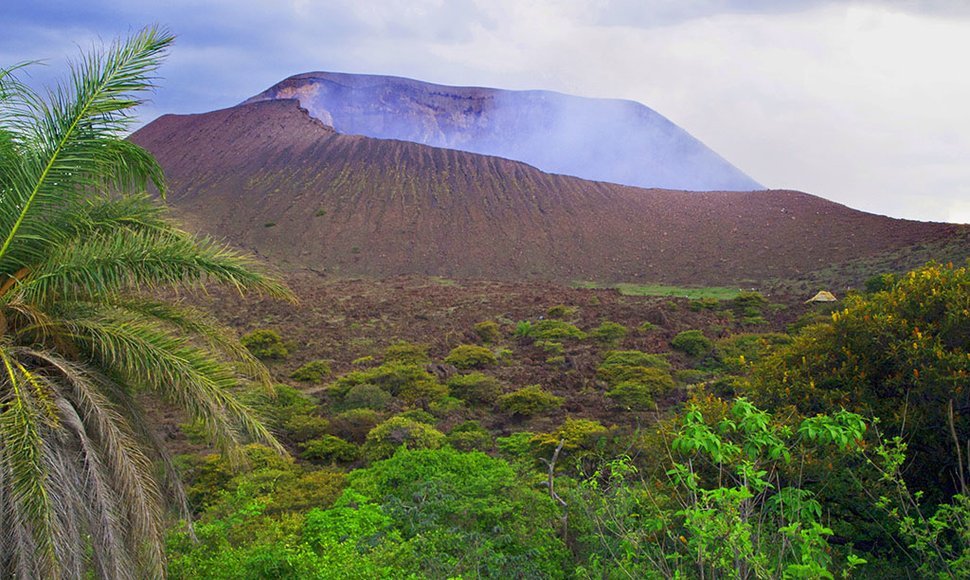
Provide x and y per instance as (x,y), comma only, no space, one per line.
(470,436)
(899,354)
(265,344)
(724,507)
(366,396)
(407,353)
(470,356)
(638,395)
(624,365)
(737,353)
(466,514)
(412,383)
(355,424)
(561,311)
(304,427)
(488,331)
(475,387)
(692,342)
(330,449)
(555,330)
(529,401)
(386,437)
(312,372)
(573,434)
(609,332)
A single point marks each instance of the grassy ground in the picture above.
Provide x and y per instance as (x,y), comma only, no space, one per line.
(720,293)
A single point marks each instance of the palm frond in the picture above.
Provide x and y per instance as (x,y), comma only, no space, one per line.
(169,365)
(29,506)
(108,263)
(65,153)
(194,322)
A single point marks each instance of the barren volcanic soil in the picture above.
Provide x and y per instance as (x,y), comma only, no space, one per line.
(271,179)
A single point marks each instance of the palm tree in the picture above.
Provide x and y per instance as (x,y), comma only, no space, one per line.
(83,335)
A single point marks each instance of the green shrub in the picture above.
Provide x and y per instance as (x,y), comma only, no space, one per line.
(406,380)
(516,446)
(551,347)
(304,427)
(555,330)
(312,372)
(748,304)
(446,406)
(384,439)
(881,283)
(330,449)
(574,433)
(488,331)
(623,365)
(355,424)
(645,327)
(283,409)
(529,401)
(475,387)
(265,344)
(420,416)
(362,361)
(470,436)
(737,353)
(691,376)
(467,515)
(609,332)
(692,342)
(366,396)
(407,353)
(900,355)
(561,311)
(632,394)
(470,356)
(523,329)
(703,304)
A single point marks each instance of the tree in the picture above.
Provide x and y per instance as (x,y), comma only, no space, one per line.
(84,258)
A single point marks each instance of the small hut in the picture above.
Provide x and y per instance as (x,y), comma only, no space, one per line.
(822,296)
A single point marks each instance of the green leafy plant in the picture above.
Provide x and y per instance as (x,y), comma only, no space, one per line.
(84,257)
(470,356)
(312,372)
(561,311)
(609,332)
(407,353)
(475,387)
(555,330)
(488,331)
(470,436)
(330,449)
(692,342)
(265,344)
(399,431)
(529,401)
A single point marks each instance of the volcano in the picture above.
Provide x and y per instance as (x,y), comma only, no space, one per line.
(270,177)
(599,139)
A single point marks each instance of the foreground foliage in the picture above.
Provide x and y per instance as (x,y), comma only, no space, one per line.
(82,333)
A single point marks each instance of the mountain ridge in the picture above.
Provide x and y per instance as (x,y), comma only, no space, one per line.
(613,140)
(270,178)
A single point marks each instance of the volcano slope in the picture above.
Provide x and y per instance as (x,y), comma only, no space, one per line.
(268,177)
(602,139)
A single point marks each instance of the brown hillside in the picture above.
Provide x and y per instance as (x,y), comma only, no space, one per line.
(268,177)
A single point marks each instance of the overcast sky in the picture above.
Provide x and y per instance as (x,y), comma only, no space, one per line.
(864,103)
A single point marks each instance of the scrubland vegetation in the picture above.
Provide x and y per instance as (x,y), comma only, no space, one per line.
(835,449)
